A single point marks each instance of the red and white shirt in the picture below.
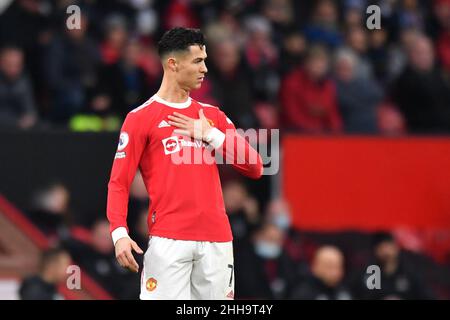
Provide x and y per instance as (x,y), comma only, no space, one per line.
(185,196)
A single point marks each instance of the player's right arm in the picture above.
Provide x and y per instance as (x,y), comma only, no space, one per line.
(132,141)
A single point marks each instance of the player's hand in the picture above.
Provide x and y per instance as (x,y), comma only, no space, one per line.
(194,128)
(124,255)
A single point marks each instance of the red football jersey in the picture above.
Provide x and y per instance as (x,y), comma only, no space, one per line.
(186,200)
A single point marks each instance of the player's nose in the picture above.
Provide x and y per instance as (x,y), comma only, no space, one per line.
(204,69)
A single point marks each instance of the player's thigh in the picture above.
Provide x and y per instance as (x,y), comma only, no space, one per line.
(167,269)
(213,274)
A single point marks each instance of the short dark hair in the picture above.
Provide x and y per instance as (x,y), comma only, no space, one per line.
(179,39)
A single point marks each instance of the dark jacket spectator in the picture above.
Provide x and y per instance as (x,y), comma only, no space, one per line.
(97,258)
(43,286)
(421,92)
(397,281)
(263,270)
(124,83)
(325,281)
(358,97)
(17,107)
(71,66)
(230,84)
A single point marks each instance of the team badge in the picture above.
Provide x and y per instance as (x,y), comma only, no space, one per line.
(151,284)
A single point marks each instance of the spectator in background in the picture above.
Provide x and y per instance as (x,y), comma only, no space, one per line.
(324,26)
(242,210)
(353,13)
(379,55)
(357,41)
(71,65)
(397,280)
(281,14)
(358,97)
(17,107)
(410,15)
(262,57)
(52,272)
(421,92)
(124,83)
(308,97)
(116,34)
(50,212)
(326,279)
(279,214)
(292,51)
(263,269)
(231,83)
(98,259)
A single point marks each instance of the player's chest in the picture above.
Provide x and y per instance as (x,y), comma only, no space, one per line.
(162,139)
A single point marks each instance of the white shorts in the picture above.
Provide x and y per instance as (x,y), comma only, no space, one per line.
(179,269)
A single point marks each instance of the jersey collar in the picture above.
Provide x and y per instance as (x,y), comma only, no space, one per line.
(176,105)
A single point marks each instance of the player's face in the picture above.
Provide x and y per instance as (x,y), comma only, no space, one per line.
(192,68)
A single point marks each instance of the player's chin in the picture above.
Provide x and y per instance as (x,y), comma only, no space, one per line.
(197,85)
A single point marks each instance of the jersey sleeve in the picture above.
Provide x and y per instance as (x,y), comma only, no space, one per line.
(132,142)
(234,148)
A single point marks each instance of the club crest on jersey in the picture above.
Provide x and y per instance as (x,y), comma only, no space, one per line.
(211,123)
(123,141)
(151,284)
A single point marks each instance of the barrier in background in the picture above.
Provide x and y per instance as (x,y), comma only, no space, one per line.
(367,184)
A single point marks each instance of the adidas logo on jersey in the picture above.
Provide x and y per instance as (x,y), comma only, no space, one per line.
(163,124)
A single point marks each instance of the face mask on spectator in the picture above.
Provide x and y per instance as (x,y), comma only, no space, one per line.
(267,249)
(282,221)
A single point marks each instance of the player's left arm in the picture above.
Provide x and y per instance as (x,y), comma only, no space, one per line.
(224,139)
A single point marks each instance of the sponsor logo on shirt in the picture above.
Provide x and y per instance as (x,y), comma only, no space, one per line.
(173,144)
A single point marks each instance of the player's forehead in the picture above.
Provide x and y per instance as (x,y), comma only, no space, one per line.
(197,51)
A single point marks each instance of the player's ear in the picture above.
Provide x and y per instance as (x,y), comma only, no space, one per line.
(172,64)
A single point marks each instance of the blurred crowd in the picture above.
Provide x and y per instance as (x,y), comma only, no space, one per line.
(272,259)
(307,66)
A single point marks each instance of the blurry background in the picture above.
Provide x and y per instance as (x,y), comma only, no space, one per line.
(364,117)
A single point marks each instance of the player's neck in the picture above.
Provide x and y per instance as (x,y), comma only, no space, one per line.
(170,91)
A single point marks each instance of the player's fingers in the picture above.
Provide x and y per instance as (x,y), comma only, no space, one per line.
(178,124)
(182,132)
(177,119)
(182,116)
(200,114)
(121,261)
(136,248)
(131,262)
